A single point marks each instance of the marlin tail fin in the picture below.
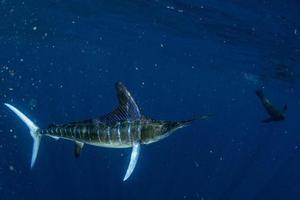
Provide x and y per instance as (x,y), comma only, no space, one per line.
(33,131)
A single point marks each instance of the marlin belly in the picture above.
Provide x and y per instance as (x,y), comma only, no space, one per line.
(116,135)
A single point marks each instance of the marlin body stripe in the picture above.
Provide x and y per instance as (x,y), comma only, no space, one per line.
(124,127)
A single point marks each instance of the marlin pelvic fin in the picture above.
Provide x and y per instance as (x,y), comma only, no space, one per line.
(78,148)
(127,108)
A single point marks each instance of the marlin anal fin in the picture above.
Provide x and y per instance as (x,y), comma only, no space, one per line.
(133,160)
(127,108)
(78,148)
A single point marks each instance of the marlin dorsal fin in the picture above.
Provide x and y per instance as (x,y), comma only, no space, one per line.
(127,109)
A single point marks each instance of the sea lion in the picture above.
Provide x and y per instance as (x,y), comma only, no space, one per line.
(275,113)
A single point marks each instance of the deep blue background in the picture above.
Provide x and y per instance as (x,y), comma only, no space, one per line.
(59,61)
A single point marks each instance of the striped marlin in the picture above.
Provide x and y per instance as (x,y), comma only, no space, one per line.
(124,127)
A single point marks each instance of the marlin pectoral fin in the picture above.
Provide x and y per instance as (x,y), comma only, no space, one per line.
(133,160)
(78,148)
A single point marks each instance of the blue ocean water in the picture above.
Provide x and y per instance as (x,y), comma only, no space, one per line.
(59,62)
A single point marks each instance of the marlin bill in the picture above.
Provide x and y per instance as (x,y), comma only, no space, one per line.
(124,127)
